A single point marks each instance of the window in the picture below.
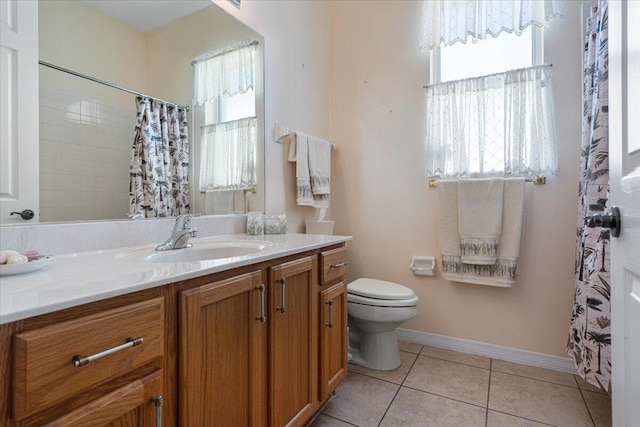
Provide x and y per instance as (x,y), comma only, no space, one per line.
(491,114)
(488,56)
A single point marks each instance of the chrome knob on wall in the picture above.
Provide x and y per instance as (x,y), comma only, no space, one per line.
(26,214)
(611,220)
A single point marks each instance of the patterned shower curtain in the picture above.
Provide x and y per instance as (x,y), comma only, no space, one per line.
(159,185)
(590,331)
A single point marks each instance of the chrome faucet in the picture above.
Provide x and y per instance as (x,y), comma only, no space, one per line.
(180,234)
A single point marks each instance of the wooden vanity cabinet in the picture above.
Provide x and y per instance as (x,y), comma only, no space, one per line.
(85,366)
(136,404)
(333,321)
(223,353)
(261,346)
(293,342)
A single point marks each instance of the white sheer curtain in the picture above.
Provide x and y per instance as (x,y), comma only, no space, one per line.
(228,155)
(224,73)
(449,21)
(493,125)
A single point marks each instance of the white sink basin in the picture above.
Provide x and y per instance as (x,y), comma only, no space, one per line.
(201,251)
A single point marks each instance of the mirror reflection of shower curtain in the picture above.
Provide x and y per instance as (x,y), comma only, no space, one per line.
(159,183)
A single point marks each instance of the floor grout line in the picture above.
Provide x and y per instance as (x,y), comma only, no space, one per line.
(523,418)
(486,414)
(536,379)
(397,391)
(584,400)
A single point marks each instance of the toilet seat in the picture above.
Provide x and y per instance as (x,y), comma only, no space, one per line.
(380,293)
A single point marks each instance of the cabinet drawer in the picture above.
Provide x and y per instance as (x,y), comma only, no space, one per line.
(333,265)
(44,372)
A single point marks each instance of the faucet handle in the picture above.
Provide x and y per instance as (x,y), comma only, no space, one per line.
(193,232)
(182,221)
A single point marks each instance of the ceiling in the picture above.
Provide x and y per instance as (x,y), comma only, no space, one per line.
(147,15)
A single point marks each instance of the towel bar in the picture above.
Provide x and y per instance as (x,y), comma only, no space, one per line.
(537,180)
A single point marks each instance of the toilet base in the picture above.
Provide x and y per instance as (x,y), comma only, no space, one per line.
(367,351)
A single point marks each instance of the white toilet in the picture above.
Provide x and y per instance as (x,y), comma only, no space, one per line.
(376,308)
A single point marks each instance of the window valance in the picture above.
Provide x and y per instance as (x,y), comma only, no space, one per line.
(446,22)
(228,72)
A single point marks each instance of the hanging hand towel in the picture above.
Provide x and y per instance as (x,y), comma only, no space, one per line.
(504,272)
(313,169)
(448,228)
(480,219)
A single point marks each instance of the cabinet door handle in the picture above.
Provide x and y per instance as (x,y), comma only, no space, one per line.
(158,400)
(283,308)
(84,360)
(330,304)
(339,264)
(262,317)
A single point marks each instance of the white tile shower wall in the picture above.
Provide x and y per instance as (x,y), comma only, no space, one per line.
(85,149)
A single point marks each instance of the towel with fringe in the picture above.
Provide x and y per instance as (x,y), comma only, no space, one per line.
(313,169)
(503,271)
(480,219)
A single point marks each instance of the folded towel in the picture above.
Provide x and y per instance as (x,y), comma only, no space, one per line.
(480,219)
(512,221)
(503,271)
(448,227)
(223,202)
(313,169)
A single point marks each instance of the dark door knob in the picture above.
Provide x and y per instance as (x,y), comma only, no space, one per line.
(26,214)
(610,220)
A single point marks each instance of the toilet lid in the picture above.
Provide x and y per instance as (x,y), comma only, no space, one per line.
(379,289)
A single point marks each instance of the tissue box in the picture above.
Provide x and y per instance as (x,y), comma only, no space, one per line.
(275,224)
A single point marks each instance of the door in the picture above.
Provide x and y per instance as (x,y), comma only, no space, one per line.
(624,163)
(19,107)
(333,338)
(293,341)
(222,353)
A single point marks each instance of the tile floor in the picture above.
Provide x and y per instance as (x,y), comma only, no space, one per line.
(435,387)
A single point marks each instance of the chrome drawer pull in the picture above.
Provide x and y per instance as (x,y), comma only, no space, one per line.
(283,282)
(158,400)
(338,265)
(84,360)
(330,324)
(262,317)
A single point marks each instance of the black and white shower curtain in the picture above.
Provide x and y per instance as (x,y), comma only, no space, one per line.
(590,332)
(159,183)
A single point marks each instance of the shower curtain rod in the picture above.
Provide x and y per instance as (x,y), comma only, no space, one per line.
(93,79)
(223,51)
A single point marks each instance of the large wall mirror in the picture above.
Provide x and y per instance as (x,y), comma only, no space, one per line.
(87,129)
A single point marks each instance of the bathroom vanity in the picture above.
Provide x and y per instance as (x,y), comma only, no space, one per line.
(250,340)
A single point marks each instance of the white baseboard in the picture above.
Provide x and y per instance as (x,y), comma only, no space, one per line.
(556,363)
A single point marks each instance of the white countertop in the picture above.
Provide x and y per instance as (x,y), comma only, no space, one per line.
(80,278)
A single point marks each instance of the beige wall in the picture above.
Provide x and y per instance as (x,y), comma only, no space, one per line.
(380,194)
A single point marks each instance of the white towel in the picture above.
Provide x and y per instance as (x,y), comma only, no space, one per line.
(223,202)
(480,219)
(313,169)
(502,273)
(448,227)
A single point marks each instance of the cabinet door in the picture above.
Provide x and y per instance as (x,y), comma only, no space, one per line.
(222,354)
(333,338)
(138,403)
(293,342)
